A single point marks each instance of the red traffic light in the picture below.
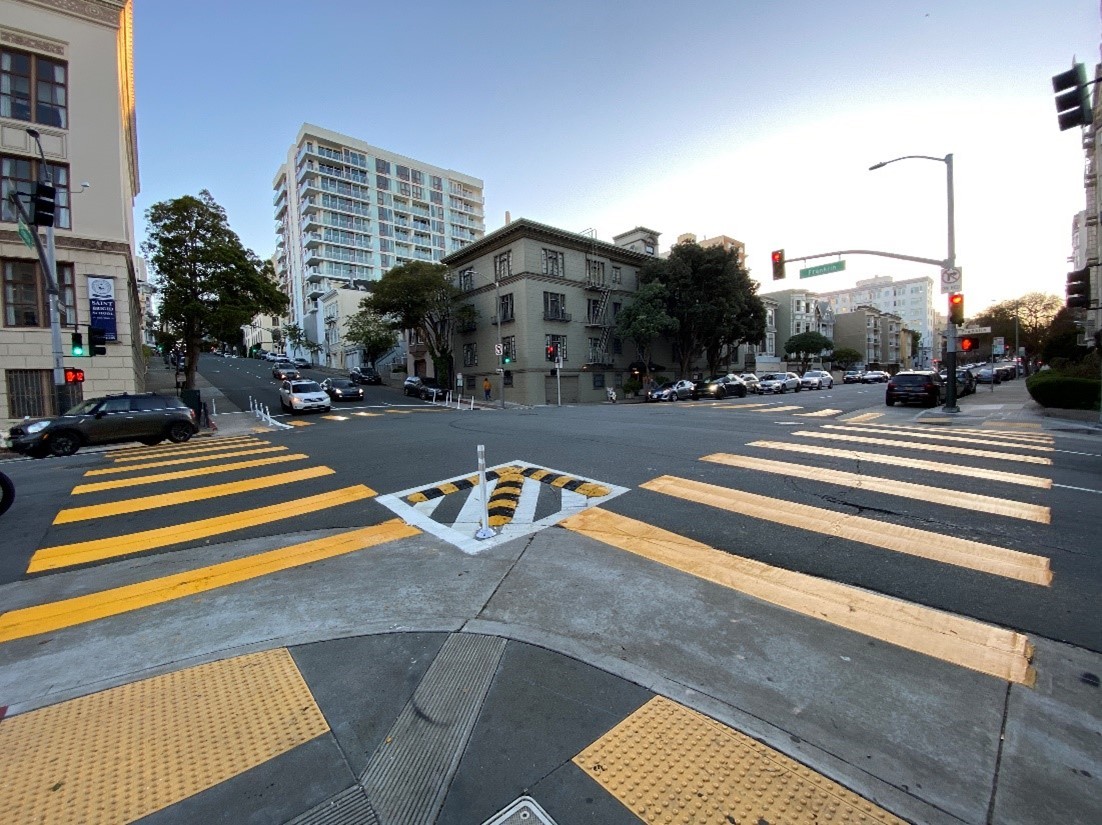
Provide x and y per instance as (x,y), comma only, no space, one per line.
(969,343)
(778,256)
(956,308)
(74,376)
(778,264)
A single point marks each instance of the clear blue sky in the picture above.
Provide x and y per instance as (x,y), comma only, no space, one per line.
(756,120)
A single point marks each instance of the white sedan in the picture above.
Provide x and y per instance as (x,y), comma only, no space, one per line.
(779,382)
(817,380)
(300,396)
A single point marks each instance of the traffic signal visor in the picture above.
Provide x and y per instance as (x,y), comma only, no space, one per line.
(1073,98)
(77,341)
(778,264)
(97,340)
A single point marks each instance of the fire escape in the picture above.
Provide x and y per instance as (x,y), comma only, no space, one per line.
(597,314)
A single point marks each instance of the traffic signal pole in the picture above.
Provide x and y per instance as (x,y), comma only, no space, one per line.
(951,263)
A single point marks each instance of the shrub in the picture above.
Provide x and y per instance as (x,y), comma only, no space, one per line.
(1070,392)
(631,386)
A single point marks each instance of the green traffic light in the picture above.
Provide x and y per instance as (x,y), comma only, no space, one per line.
(77,344)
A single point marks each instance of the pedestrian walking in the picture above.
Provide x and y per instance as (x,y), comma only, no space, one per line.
(486,387)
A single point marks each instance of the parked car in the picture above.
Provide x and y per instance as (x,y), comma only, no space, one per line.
(751,381)
(853,376)
(341,389)
(915,386)
(721,386)
(988,376)
(147,417)
(302,396)
(412,386)
(817,380)
(966,381)
(284,371)
(659,392)
(364,375)
(430,390)
(274,356)
(779,382)
(302,363)
(875,377)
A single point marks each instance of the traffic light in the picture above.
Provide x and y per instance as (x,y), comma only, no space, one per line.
(1079,288)
(507,358)
(74,376)
(968,343)
(77,347)
(778,264)
(1073,97)
(956,308)
(44,202)
(97,341)
(552,352)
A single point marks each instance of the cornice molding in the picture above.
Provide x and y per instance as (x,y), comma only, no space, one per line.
(68,242)
(105,12)
(31,42)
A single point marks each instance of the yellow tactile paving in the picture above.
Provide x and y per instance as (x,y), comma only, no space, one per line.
(964,642)
(818,413)
(931,448)
(916,492)
(136,481)
(175,462)
(154,502)
(911,463)
(944,435)
(47,618)
(124,753)
(66,555)
(669,764)
(974,555)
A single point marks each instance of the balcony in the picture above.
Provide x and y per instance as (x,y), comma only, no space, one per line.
(315,290)
(556,315)
(312,239)
(597,282)
(599,357)
(596,320)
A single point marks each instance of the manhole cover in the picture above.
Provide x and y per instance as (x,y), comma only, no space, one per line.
(524,810)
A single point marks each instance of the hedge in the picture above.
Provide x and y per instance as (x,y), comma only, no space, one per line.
(1053,389)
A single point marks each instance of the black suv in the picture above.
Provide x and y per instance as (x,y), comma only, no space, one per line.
(911,386)
(148,418)
(364,375)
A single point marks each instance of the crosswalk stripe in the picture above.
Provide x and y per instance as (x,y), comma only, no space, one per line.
(864,417)
(335,417)
(911,463)
(817,413)
(905,489)
(367,414)
(66,555)
(115,452)
(1034,438)
(399,412)
(974,555)
(779,409)
(930,448)
(1013,425)
(299,423)
(190,449)
(130,468)
(965,642)
(136,505)
(46,618)
(941,436)
(136,481)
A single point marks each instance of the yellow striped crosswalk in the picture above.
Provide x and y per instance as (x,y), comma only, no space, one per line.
(920,445)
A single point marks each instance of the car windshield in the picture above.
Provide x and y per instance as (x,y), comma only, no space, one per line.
(306,386)
(84,407)
(910,380)
(769,376)
(341,383)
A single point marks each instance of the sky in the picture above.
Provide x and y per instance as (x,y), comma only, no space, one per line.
(757,120)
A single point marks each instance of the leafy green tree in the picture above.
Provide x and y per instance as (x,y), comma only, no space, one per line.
(712,299)
(645,319)
(846,357)
(420,296)
(1062,340)
(807,345)
(208,282)
(1035,312)
(294,337)
(370,331)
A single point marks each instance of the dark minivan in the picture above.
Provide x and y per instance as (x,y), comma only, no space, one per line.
(915,387)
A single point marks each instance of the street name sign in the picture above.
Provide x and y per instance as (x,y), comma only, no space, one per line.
(973,330)
(25,233)
(952,280)
(822,269)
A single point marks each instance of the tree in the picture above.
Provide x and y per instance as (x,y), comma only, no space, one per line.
(420,296)
(712,299)
(1035,312)
(845,358)
(1062,340)
(645,319)
(294,337)
(807,345)
(208,282)
(370,331)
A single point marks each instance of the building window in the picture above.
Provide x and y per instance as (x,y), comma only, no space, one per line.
(19,74)
(382,166)
(556,340)
(554,263)
(593,314)
(617,346)
(648,248)
(503,265)
(402,172)
(25,301)
(554,307)
(617,275)
(470,355)
(23,175)
(598,380)
(506,308)
(509,348)
(466,280)
(469,382)
(32,393)
(595,270)
(770,344)
(382,182)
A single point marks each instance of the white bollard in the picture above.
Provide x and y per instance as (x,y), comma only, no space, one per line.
(485,531)
(472,402)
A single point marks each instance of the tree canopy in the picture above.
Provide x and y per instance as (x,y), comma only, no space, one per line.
(372,332)
(209,284)
(844,358)
(711,298)
(807,345)
(645,319)
(1035,312)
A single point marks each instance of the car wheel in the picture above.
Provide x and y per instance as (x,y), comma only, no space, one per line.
(65,444)
(890,402)
(152,441)
(742,392)
(799,387)
(7,493)
(179,432)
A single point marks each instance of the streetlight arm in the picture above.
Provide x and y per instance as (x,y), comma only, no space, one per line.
(884,163)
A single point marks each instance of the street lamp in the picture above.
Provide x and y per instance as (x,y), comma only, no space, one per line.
(950,263)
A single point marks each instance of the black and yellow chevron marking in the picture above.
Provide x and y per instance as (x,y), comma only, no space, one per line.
(506,497)
(589,489)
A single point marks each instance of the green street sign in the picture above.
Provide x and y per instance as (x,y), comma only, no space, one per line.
(822,269)
(26,234)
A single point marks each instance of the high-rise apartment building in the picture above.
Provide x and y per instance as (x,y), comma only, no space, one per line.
(912,299)
(347,212)
(67,114)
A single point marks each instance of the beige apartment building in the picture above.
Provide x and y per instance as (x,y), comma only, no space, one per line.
(883,338)
(66,71)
